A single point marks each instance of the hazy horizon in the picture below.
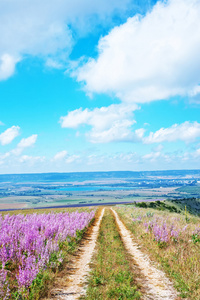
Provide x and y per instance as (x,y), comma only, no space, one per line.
(110,171)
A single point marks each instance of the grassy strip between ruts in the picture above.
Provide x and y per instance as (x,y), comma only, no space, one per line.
(179,258)
(112,276)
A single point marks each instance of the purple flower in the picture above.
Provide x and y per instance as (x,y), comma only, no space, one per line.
(29,242)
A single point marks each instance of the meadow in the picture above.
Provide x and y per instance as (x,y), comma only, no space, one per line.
(33,246)
(171,240)
(36,248)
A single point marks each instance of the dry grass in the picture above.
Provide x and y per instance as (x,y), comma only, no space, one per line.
(46,210)
(178,258)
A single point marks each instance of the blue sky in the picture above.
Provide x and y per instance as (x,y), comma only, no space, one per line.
(99,85)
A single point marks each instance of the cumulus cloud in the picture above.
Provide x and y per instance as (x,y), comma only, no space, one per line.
(25,143)
(115,123)
(112,123)
(119,131)
(30,159)
(13,158)
(9,135)
(72,158)
(153,156)
(149,58)
(43,29)
(60,155)
(64,156)
(7,65)
(187,132)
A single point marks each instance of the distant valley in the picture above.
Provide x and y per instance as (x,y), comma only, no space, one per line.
(57,189)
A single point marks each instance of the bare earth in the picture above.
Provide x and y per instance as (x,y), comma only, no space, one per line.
(156,285)
(77,285)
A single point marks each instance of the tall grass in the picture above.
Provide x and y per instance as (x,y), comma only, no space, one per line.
(173,240)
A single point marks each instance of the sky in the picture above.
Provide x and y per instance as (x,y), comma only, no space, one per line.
(99,85)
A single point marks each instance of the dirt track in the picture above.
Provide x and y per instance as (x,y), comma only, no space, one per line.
(76,286)
(155,284)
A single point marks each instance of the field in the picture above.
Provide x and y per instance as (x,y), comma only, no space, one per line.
(47,190)
(49,255)
(172,240)
(32,246)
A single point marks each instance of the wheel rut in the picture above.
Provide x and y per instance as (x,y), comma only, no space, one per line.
(77,286)
(155,284)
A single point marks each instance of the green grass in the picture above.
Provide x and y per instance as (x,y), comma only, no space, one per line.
(112,276)
(159,205)
(192,204)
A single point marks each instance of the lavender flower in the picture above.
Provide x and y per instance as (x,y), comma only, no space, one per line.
(29,241)
(161,231)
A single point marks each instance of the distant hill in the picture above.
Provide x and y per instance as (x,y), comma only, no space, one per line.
(82,176)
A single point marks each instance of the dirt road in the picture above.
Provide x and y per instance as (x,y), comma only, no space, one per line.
(155,284)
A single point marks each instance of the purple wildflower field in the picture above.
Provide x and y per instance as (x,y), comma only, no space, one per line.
(163,227)
(27,243)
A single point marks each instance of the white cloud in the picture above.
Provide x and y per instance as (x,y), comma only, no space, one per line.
(9,135)
(75,118)
(197,153)
(3,157)
(72,158)
(112,123)
(152,156)
(30,159)
(186,132)
(115,123)
(22,145)
(119,131)
(149,58)
(7,65)
(64,157)
(60,155)
(25,143)
(11,160)
(156,160)
(43,28)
